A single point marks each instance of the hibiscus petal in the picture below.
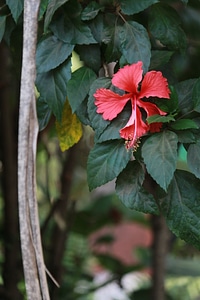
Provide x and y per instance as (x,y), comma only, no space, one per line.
(155,127)
(128,78)
(142,128)
(154,85)
(109,103)
(126,134)
(150,108)
(128,131)
(134,129)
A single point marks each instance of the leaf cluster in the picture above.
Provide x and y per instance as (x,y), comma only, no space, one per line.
(107,35)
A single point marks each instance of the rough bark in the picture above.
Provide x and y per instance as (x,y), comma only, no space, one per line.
(160,250)
(32,256)
(160,246)
(9,160)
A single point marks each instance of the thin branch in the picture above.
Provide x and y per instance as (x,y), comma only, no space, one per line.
(110,280)
(121,16)
(34,268)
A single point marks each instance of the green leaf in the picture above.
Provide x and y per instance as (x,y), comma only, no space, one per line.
(91,11)
(82,113)
(52,87)
(197,121)
(196,95)
(111,132)
(181,207)
(2,26)
(159,58)
(79,85)
(193,159)
(43,8)
(51,8)
(112,40)
(164,26)
(135,44)
(186,136)
(184,91)
(73,9)
(98,30)
(43,113)
(184,124)
(51,53)
(130,7)
(72,31)
(16,8)
(91,55)
(130,191)
(171,105)
(105,162)
(159,118)
(97,122)
(160,155)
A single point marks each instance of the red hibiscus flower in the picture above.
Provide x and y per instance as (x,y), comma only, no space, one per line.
(136,87)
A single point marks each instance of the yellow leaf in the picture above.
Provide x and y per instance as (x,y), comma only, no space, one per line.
(69,131)
(76,62)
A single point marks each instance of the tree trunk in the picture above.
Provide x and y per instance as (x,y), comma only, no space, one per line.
(32,256)
(64,215)
(160,245)
(159,250)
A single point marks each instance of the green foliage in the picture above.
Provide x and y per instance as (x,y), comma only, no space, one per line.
(160,155)
(91,55)
(16,8)
(193,159)
(91,11)
(196,96)
(184,124)
(106,161)
(165,37)
(181,207)
(43,113)
(97,122)
(43,8)
(159,58)
(159,118)
(53,5)
(108,32)
(79,85)
(131,192)
(111,132)
(170,107)
(164,24)
(72,30)
(2,26)
(137,46)
(51,53)
(184,91)
(55,94)
(128,7)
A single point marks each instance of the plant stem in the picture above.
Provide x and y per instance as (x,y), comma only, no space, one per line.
(32,256)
